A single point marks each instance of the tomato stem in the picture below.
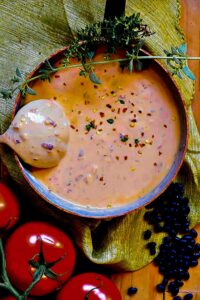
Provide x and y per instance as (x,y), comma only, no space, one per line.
(41,272)
(6,282)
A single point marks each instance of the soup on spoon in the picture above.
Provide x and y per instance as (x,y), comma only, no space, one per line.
(39,133)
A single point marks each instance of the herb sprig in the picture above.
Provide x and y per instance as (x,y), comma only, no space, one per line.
(128,33)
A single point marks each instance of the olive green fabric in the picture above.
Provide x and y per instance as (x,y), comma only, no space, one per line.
(30,31)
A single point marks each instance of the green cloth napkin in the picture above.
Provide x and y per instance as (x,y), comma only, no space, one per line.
(29,32)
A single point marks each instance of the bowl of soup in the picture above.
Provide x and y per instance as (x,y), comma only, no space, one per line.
(127,139)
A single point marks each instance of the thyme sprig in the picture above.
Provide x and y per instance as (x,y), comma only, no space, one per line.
(128,33)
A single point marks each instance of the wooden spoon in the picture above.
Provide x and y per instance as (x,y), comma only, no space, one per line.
(39,133)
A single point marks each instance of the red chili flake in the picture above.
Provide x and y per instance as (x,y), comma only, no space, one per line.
(114,129)
(130,145)
(132,104)
(149,115)
(95,86)
(100,129)
(134,120)
(87,102)
(159,153)
(142,133)
(124,109)
(100,123)
(57,76)
(112,92)
(64,83)
(165,125)
(47,146)
(82,83)
(113,109)
(125,157)
(132,93)
(140,112)
(135,115)
(76,130)
(105,71)
(101,178)
(142,145)
(153,136)
(72,126)
(108,105)
(102,114)
(79,112)
(132,111)
(117,157)
(54,98)
(118,111)
(155,164)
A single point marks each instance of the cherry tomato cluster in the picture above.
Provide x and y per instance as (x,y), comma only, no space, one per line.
(38,246)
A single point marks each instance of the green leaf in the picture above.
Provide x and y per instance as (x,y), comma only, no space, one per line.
(182,49)
(177,61)
(178,73)
(30,91)
(188,72)
(94,78)
(15,79)
(138,65)
(18,73)
(90,54)
(130,66)
(6,94)
(83,73)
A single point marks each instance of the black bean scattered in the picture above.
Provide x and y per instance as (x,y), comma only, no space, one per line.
(160,288)
(179,250)
(188,296)
(177,298)
(147,234)
(132,291)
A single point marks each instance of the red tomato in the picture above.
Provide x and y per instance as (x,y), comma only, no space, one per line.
(24,244)
(96,286)
(9,207)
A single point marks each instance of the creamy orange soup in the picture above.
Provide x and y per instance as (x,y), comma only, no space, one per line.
(124,135)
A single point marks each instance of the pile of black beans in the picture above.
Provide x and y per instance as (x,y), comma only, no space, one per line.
(179,250)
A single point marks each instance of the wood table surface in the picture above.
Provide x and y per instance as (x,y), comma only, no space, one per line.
(147,278)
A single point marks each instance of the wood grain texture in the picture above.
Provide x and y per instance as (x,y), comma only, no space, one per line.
(147,278)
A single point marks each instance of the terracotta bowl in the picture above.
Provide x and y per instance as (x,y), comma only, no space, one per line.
(79,210)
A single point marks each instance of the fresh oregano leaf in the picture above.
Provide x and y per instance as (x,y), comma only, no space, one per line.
(130,66)
(18,73)
(188,72)
(30,91)
(182,49)
(94,78)
(138,65)
(178,73)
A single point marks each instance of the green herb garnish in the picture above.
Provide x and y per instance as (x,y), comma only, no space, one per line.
(136,141)
(124,32)
(110,121)
(90,126)
(124,138)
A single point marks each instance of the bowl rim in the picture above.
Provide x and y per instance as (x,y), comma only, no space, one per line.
(104,213)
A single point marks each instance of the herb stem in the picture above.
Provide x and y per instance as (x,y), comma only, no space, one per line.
(111,61)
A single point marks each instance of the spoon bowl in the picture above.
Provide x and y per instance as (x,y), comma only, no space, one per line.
(39,133)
